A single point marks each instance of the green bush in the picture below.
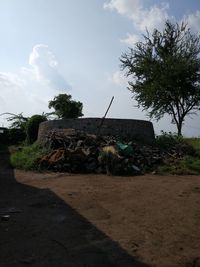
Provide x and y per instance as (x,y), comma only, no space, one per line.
(32,127)
(167,140)
(195,143)
(26,158)
(192,163)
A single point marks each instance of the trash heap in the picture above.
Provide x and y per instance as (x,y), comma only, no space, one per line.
(78,152)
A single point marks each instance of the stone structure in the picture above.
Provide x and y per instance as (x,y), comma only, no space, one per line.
(127,128)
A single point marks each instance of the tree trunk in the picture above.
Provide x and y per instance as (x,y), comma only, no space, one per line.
(179,127)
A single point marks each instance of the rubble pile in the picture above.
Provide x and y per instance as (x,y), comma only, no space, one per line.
(78,152)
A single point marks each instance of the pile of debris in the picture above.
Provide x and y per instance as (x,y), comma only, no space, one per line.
(78,152)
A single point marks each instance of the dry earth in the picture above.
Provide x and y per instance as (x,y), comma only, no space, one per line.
(96,220)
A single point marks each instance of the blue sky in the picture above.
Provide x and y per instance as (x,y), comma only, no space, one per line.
(73,46)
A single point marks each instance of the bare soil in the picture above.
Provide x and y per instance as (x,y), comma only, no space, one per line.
(57,219)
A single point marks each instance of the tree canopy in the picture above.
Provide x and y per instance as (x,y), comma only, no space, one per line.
(165,72)
(65,107)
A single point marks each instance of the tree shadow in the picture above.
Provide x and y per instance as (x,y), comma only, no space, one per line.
(37,228)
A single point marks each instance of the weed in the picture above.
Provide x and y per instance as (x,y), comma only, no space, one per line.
(26,158)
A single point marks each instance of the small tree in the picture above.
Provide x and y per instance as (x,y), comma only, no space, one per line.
(65,107)
(165,68)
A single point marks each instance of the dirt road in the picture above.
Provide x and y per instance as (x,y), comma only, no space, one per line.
(95,220)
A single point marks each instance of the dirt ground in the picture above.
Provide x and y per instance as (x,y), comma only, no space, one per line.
(96,220)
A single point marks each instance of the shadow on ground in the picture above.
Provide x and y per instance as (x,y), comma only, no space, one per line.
(42,230)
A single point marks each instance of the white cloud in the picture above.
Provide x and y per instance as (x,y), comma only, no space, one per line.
(126,7)
(131,39)
(142,18)
(118,79)
(148,18)
(151,18)
(8,79)
(30,89)
(194,20)
(45,67)
(42,55)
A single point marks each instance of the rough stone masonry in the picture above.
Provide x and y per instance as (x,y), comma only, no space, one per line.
(126,128)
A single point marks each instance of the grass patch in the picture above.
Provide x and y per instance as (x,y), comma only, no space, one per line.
(26,158)
(189,164)
(195,142)
(180,168)
(192,163)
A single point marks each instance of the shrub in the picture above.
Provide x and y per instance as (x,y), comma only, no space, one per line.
(195,143)
(167,140)
(32,127)
(192,163)
(27,157)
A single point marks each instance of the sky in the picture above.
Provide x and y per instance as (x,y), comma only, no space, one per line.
(50,47)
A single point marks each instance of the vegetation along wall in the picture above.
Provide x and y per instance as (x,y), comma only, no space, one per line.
(125,128)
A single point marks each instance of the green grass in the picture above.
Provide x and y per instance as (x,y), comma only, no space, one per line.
(192,163)
(195,142)
(26,157)
(187,165)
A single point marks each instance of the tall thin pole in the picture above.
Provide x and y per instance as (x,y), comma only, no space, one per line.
(102,120)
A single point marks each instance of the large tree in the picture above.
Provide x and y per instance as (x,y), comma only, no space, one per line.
(165,72)
(65,107)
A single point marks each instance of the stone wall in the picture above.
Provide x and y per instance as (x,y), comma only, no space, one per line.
(133,129)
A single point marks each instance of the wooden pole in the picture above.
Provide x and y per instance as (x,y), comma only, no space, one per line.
(102,120)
